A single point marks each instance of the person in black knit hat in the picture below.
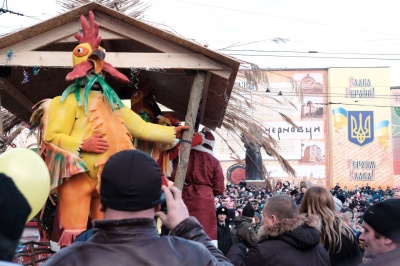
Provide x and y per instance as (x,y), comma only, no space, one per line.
(130,199)
(243,230)
(248,211)
(381,235)
(14,209)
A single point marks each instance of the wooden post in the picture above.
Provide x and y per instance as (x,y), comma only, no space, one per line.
(190,120)
(3,139)
(1,120)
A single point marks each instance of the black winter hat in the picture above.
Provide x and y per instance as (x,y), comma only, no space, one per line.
(248,211)
(14,209)
(131,181)
(222,210)
(342,198)
(231,213)
(384,218)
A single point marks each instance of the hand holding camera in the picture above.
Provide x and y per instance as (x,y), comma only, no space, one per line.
(177,210)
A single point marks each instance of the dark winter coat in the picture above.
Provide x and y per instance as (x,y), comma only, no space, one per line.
(349,255)
(136,242)
(299,198)
(243,232)
(390,258)
(224,237)
(291,242)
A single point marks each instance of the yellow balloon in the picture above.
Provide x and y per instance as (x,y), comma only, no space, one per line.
(30,174)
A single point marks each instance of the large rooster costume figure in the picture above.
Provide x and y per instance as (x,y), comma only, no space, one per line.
(83,127)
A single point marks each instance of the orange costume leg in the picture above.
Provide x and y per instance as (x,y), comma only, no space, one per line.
(75,201)
(95,212)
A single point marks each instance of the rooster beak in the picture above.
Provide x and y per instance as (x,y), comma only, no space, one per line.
(97,57)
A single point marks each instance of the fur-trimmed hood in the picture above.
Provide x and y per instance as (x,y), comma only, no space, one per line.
(303,232)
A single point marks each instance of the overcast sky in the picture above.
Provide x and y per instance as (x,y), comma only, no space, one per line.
(270,33)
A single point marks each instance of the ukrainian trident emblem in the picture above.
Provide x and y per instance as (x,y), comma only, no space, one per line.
(360,127)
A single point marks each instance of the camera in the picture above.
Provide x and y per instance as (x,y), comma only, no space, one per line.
(286,184)
(294,192)
(163,203)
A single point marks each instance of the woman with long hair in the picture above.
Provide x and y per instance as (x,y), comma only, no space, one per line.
(337,238)
(302,190)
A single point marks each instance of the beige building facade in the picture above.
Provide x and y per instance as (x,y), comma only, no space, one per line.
(346,126)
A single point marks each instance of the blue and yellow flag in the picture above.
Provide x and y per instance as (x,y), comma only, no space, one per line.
(382,132)
(339,118)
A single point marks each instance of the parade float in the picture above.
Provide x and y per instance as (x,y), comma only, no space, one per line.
(125,57)
(36,61)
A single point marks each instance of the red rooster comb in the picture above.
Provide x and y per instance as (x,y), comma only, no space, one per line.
(89,54)
(90,33)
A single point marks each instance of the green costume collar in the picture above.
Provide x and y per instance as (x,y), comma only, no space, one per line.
(108,92)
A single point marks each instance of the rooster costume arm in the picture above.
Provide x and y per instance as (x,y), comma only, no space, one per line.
(61,149)
(60,123)
(63,130)
(146,130)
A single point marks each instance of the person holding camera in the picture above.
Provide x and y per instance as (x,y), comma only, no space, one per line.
(130,199)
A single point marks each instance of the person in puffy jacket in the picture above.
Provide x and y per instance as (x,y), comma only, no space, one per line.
(285,238)
(337,237)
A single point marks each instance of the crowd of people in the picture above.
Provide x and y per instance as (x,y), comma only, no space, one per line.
(304,225)
(96,170)
(341,213)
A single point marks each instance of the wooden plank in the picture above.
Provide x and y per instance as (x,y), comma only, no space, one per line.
(52,23)
(1,123)
(114,28)
(169,37)
(118,60)
(226,73)
(107,45)
(104,33)
(204,98)
(134,33)
(45,38)
(190,120)
(16,94)
(153,41)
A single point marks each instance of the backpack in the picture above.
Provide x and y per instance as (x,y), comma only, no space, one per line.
(235,228)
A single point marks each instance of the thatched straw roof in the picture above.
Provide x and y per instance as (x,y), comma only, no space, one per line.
(131,8)
(10,127)
(239,120)
(9,120)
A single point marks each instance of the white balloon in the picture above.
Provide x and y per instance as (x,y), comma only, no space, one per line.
(30,174)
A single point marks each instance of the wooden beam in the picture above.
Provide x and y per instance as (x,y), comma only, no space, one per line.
(136,34)
(1,122)
(204,98)
(113,29)
(190,120)
(45,38)
(16,94)
(225,74)
(104,33)
(107,45)
(118,60)
(153,41)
